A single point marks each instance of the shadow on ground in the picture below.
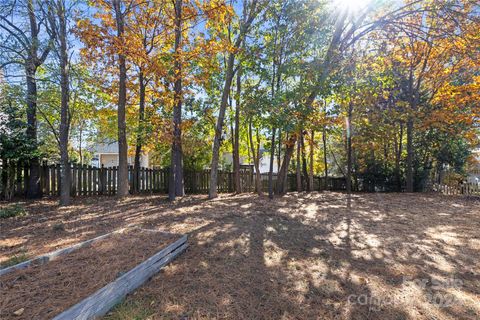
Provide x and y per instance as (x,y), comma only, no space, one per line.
(307,256)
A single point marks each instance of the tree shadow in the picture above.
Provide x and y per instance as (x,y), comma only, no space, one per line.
(302,256)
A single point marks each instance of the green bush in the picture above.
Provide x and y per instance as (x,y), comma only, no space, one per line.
(15,210)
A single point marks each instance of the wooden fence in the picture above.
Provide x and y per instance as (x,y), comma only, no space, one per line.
(88,181)
(469,189)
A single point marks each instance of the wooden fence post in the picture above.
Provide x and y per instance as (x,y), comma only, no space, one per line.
(101,180)
(59,179)
(73,177)
(131,179)
(19,179)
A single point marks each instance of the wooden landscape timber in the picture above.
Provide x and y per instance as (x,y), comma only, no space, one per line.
(99,303)
(55,254)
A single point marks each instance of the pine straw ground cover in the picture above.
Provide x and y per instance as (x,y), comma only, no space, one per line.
(307,256)
(43,291)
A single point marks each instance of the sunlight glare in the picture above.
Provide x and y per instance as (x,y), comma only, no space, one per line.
(351,5)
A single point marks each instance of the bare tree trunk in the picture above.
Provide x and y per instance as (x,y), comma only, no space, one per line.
(176,166)
(80,149)
(325,162)
(312,140)
(229,74)
(413,92)
(282,175)
(122,189)
(140,133)
(349,148)
(398,155)
(212,193)
(410,151)
(305,185)
(298,168)
(279,155)
(31,71)
(236,140)
(256,157)
(64,113)
(270,171)
(33,190)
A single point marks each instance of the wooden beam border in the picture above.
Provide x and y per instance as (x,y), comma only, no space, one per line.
(99,303)
(55,254)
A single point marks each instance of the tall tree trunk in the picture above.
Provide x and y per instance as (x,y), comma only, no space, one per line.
(276,77)
(212,193)
(140,132)
(305,185)
(279,155)
(398,155)
(33,190)
(270,171)
(325,162)
(31,65)
(176,167)
(282,175)
(256,157)
(236,140)
(409,169)
(122,180)
(229,74)
(64,118)
(80,148)
(298,164)
(413,92)
(312,144)
(349,148)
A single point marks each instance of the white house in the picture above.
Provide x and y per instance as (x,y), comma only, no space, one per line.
(107,154)
(473,172)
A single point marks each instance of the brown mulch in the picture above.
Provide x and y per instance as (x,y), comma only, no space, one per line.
(45,290)
(301,256)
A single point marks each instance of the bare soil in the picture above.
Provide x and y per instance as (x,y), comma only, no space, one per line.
(43,291)
(301,256)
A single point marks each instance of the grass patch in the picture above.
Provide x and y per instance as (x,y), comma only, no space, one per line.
(130,310)
(16,259)
(14,210)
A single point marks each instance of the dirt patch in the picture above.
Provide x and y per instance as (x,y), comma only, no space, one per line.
(42,291)
(301,256)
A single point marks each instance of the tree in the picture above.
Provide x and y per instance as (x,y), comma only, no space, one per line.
(26,45)
(428,50)
(120,11)
(149,39)
(251,11)
(176,165)
(108,35)
(58,29)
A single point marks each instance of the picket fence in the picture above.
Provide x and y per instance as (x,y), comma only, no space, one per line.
(469,189)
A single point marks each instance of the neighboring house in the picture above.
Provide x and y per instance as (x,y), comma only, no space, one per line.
(227,161)
(106,154)
(473,172)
